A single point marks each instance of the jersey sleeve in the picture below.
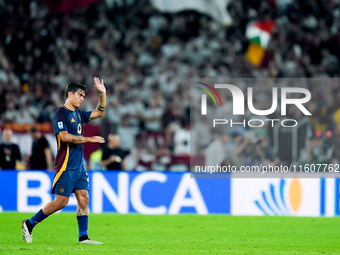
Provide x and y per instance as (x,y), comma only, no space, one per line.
(59,122)
(86,116)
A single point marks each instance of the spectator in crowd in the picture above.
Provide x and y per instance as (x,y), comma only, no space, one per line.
(9,152)
(152,117)
(267,153)
(41,157)
(182,139)
(113,156)
(239,144)
(249,148)
(215,153)
(127,134)
(202,132)
(142,155)
(219,152)
(96,159)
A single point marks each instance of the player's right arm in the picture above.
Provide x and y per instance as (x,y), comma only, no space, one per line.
(60,128)
(69,138)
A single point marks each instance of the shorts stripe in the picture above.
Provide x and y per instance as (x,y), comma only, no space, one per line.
(63,167)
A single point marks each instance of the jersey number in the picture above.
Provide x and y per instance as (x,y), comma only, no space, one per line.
(79,129)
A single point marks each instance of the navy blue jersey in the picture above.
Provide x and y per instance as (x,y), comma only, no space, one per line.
(70,156)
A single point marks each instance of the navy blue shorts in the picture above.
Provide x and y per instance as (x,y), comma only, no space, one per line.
(65,183)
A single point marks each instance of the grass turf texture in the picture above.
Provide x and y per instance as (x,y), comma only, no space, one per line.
(173,234)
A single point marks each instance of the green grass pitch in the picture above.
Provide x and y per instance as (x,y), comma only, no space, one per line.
(173,234)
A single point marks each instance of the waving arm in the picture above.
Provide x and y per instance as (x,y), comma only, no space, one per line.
(100,111)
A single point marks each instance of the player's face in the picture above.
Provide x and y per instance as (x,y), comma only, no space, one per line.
(8,135)
(78,98)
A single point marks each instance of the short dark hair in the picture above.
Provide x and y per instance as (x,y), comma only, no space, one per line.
(74,87)
(34,129)
(235,134)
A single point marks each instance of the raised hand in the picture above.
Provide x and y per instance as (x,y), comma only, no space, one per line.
(96,139)
(100,86)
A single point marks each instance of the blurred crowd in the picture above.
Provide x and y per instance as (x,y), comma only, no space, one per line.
(146,59)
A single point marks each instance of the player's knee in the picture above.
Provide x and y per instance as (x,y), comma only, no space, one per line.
(61,203)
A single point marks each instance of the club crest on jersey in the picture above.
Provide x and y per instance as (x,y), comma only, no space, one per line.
(60,124)
(73,120)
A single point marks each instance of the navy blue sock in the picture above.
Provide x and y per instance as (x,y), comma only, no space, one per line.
(83,222)
(38,217)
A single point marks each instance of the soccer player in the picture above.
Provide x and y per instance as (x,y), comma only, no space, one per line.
(71,175)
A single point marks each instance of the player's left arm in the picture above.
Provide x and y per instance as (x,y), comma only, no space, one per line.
(100,111)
